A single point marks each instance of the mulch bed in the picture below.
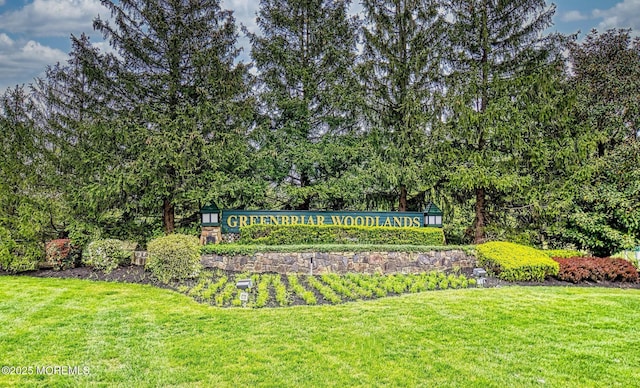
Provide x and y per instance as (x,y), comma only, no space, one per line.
(129,274)
(137,274)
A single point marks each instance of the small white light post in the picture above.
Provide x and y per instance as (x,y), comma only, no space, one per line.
(480,274)
(244,285)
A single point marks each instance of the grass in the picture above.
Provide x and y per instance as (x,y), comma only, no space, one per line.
(131,335)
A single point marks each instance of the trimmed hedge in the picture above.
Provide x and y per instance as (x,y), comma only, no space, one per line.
(514,262)
(336,234)
(577,269)
(240,249)
(106,255)
(174,257)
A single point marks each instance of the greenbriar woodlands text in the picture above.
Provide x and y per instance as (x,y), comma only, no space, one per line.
(232,220)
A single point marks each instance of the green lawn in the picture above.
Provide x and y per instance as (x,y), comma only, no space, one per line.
(131,335)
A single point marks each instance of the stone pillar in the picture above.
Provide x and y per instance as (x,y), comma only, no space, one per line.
(210,235)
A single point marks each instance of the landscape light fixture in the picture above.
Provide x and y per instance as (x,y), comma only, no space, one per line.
(210,215)
(480,274)
(244,285)
(432,216)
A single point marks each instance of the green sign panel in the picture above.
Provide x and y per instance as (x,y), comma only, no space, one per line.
(232,220)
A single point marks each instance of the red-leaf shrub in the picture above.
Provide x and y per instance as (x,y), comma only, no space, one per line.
(577,269)
(61,254)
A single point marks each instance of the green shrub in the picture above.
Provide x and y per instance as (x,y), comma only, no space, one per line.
(106,255)
(18,257)
(513,262)
(336,234)
(174,257)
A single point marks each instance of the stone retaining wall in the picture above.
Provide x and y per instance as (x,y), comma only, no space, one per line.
(343,262)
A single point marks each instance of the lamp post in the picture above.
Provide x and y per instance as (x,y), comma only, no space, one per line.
(210,222)
(432,216)
(210,215)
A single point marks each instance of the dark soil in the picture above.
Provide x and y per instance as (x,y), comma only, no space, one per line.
(137,274)
(129,274)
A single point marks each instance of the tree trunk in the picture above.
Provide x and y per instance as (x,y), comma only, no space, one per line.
(168,217)
(402,207)
(304,182)
(478,223)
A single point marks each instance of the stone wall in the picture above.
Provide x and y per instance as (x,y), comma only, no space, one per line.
(343,262)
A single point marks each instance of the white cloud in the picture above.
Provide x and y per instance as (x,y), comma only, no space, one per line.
(625,14)
(5,41)
(244,11)
(21,62)
(2,2)
(53,17)
(573,16)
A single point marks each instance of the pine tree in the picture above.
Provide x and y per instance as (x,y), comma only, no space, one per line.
(171,132)
(305,55)
(498,57)
(606,74)
(400,71)
(24,204)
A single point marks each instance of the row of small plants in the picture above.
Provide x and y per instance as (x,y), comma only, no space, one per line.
(218,288)
(514,262)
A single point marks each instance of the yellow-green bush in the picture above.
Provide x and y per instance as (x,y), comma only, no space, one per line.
(336,234)
(514,262)
(174,257)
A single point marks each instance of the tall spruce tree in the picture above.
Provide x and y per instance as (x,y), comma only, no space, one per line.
(84,142)
(496,69)
(400,68)
(606,74)
(602,213)
(305,54)
(26,220)
(176,108)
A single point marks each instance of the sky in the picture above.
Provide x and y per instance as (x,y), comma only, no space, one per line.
(36,33)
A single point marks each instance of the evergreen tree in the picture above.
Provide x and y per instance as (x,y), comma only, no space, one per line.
(85,142)
(606,74)
(175,109)
(403,43)
(25,216)
(496,70)
(602,210)
(305,55)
